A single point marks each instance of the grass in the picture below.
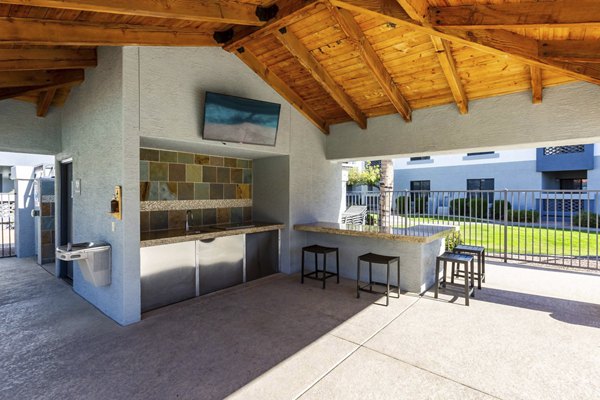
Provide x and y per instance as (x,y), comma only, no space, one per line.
(524,240)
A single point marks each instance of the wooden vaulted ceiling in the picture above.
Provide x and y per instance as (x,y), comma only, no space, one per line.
(334,60)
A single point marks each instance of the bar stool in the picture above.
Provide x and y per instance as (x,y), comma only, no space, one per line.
(460,259)
(316,249)
(479,251)
(373,258)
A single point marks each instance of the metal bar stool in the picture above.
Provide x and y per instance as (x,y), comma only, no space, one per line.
(478,251)
(460,259)
(373,258)
(316,249)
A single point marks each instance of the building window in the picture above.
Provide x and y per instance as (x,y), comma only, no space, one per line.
(481,184)
(420,185)
(573,184)
(480,153)
(556,150)
(421,158)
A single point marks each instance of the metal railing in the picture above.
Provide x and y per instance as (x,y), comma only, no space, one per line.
(558,227)
(7,225)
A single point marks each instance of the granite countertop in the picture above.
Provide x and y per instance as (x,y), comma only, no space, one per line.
(413,234)
(204,232)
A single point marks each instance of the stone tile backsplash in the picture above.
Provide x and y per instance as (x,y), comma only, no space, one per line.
(167,176)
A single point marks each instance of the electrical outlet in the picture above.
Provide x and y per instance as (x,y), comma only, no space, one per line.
(113,226)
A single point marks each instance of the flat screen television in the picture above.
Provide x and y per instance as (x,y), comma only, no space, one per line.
(240,120)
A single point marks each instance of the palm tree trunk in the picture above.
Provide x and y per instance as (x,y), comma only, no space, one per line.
(386,187)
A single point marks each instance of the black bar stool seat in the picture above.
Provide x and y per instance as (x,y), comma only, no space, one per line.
(478,251)
(460,259)
(379,259)
(324,274)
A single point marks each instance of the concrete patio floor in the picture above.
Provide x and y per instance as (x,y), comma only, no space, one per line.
(529,334)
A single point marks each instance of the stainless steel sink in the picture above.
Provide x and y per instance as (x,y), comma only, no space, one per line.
(229,227)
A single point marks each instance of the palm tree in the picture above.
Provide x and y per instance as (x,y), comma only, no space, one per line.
(386,187)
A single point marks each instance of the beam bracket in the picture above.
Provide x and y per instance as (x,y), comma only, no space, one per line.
(266,13)
(223,36)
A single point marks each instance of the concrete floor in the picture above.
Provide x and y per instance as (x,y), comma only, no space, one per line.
(529,334)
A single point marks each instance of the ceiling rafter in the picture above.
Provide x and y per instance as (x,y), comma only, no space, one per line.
(216,11)
(316,70)
(21,83)
(371,60)
(493,41)
(418,11)
(45,59)
(557,13)
(45,32)
(586,51)
(281,87)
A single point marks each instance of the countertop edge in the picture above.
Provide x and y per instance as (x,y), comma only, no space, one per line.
(209,235)
(375,235)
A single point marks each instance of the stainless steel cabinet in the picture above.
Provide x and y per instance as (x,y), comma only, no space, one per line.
(168,274)
(220,263)
(262,254)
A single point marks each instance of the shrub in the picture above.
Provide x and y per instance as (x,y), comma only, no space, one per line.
(478,208)
(419,205)
(524,216)
(586,219)
(372,219)
(459,207)
(499,209)
(401,205)
(453,239)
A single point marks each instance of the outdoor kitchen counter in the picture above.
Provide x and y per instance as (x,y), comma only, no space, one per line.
(203,233)
(413,234)
(417,247)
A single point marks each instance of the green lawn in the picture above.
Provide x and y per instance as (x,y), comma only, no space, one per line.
(524,240)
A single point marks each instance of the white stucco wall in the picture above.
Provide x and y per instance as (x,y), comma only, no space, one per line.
(569,114)
(23,132)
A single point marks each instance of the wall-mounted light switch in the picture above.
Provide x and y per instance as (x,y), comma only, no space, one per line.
(77,188)
(113,226)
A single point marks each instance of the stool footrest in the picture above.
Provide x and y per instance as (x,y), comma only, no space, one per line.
(384,292)
(315,275)
(457,287)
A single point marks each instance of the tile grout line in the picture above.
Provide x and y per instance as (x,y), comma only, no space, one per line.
(359,346)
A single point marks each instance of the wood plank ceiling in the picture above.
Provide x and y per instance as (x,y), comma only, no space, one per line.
(334,60)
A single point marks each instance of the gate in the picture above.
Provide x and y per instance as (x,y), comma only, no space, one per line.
(7,225)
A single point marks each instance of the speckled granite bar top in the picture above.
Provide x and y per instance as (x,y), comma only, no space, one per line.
(201,233)
(413,234)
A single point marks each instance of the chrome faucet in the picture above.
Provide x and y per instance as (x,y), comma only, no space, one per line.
(188,217)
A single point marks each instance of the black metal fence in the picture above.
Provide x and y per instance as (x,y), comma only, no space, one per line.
(7,225)
(558,227)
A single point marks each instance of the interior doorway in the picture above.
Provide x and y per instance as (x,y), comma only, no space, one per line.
(66,216)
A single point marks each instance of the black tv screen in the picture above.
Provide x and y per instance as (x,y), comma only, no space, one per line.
(239,120)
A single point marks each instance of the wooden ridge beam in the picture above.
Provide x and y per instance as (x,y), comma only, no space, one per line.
(44,59)
(290,11)
(214,11)
(542,14)
(301,53)
(46,32)
(492,41)
(282,88)
(418,11)
(44,101)
(586,51)
(372,60)
(536,85)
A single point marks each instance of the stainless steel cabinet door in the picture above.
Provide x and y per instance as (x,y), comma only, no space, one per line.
(168,274)
(221,263)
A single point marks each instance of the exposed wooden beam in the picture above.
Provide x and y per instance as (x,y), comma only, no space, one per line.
(586,51)
(493,41)
(39,59)
(290,11)
(282,88)
(215,11)
(301,53)
(46,32)
(536,85)
(444,55)
(22,83)
(418,10)
(372,60)
(558,13)
(39,78)
(44,102)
